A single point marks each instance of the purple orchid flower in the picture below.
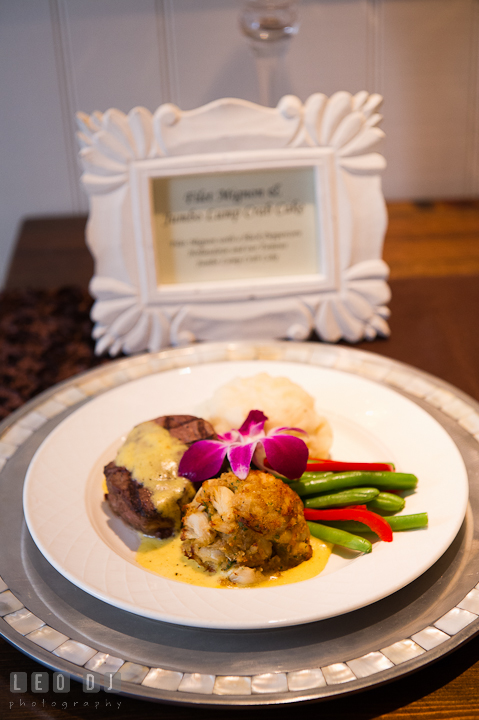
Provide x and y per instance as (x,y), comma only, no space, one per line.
(285,454)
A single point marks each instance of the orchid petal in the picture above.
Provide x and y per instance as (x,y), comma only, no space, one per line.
(240,459)
(254,423)
(232,436)
(286,454)
(259,460)
(202,460)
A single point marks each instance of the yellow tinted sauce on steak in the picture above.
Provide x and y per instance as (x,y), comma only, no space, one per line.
(152,455)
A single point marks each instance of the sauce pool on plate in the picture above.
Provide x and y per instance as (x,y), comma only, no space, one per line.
(164,557)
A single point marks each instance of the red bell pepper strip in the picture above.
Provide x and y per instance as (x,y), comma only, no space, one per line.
(376,523)
(315,464)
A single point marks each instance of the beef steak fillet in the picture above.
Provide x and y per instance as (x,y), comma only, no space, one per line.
(132,501)
(187,428)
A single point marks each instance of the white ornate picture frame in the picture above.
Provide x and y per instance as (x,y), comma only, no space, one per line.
(343,296)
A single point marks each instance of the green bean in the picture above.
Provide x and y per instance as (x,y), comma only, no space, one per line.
(298,485)
(397,523)
(388,502)
(339,537)
(407,522)
(353,496)
(311,483)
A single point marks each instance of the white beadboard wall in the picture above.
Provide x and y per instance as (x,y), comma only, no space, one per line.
(60,56)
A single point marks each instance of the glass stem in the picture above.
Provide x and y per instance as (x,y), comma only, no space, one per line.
(269,59)
(269,26)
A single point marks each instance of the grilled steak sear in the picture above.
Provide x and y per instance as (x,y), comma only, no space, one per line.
(132,501)
(187,428)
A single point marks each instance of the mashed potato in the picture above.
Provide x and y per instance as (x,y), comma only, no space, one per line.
(281,400)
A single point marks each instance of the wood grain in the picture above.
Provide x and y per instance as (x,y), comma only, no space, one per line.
(50,251)
(432,239)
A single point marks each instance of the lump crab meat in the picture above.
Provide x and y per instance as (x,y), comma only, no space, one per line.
(243,528)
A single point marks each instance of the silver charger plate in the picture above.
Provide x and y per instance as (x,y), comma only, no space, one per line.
(64,628)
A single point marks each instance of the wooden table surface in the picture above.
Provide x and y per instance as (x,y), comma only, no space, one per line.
(433,253)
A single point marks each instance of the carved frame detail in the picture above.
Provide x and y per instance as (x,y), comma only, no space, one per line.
(111,143)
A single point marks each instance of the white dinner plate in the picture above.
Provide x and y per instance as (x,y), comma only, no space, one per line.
(78,535)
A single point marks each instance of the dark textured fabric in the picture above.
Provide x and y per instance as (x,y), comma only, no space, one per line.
(45,337)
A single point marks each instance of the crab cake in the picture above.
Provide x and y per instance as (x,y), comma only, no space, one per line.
(244,528)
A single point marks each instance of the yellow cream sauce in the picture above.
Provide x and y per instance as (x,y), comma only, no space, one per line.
(152,456)
(165,558)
